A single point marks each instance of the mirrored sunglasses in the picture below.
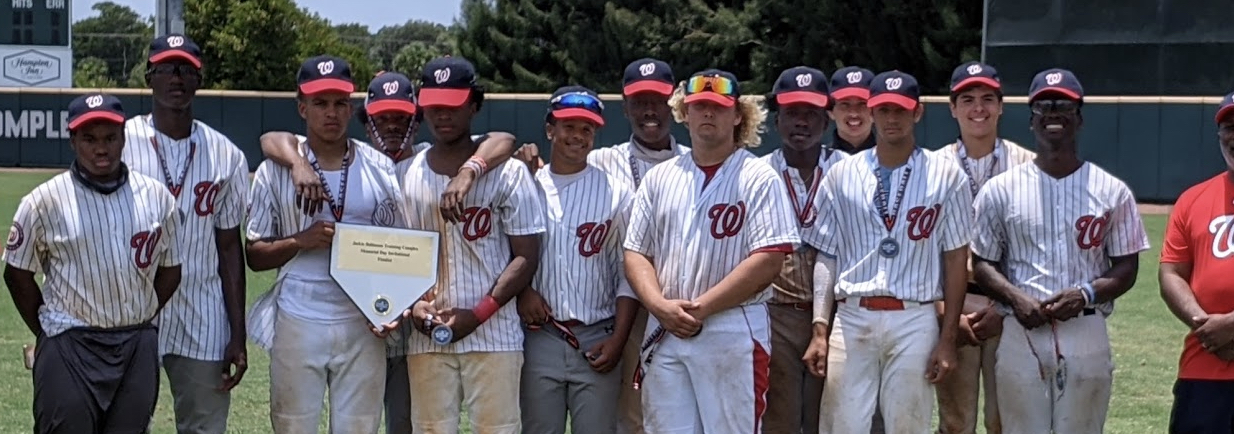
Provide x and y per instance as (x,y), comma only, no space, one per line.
(714,84)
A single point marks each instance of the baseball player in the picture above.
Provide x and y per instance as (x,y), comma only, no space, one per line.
(850,89)
(894,237)
(708,233)
(392,128)
(977,106)
(202,331)
(392,118)
(800,100)
(1056,242)
(1196,266)
(579,308)
(317,338)
(488,259)
(104,239)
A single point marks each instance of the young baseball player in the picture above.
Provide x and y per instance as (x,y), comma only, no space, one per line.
(391,128)
(104,239)
(1056,242)
(646,87)
(708,233)
(977,106)
(800,100)
(850,90)
(202,331)
(488,259)
(579,308)
(391,117)
(1196,266)
(894,237)
(318,339)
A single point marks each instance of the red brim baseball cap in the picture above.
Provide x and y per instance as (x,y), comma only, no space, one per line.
(713,97)
(653,86)
(973,81)
(94,116)
(579,113)
(390,105)
(851,92)
(176,54)
(1056,91)
(443,97)
(1223,113)
(802,97)
(893,98)
(327,85)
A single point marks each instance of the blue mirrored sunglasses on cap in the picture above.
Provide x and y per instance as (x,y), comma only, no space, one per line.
(577,100)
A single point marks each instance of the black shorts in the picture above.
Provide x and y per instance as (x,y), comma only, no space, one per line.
(89,380)
(1203,407)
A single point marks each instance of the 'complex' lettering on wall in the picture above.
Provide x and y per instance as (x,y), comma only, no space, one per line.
(34,124)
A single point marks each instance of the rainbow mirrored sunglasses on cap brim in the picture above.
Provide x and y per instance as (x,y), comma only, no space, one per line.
(577,105)
(714,88)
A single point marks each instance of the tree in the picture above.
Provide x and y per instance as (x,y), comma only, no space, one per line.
(92,72)
(117,36)
(390,41)
(411,59)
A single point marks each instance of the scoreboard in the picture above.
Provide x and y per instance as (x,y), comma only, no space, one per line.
(36,43)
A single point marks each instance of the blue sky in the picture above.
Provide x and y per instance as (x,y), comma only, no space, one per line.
(374,13)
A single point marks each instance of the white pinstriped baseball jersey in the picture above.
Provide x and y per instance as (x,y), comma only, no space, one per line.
(581,270)
(697,235)
(629,162)
(503,203)
(934,216)
(400,166)
(1058,233)
(98,252)
(795,284)
(212,176)
(273,214)
(1007,154)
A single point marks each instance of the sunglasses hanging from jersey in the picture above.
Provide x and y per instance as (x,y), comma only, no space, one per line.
(336,207)
(577,100)
(1060,372)
(714,84)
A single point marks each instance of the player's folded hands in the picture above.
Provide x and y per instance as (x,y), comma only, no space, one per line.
(1029,312)
(1064,305)
(674,317)
(1215,331)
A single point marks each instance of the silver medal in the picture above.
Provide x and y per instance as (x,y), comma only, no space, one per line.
(889,248)
(442,335)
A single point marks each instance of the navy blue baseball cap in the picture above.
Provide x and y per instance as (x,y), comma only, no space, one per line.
(801,84)
(851,81)
(577,102)
(647,75)
(972,74)
(713,85)
(1056,81)
(95,107)
(446,82)
(390,92)
(175,46)
(325,74)
(1225,108)
(894,87)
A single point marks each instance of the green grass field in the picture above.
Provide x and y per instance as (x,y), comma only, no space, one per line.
(1146,341)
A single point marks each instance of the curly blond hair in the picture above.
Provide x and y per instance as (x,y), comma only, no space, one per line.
(747,134)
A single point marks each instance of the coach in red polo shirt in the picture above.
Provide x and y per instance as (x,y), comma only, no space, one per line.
(1197,283)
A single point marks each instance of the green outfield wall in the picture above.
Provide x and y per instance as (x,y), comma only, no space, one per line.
(1158,145)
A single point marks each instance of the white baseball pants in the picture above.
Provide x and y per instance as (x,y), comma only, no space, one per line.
(879,355)
(1030,404)
(715,382)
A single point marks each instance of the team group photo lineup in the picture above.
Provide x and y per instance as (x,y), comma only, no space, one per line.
(854,280)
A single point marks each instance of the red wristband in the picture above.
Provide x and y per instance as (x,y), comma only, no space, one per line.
(487,307)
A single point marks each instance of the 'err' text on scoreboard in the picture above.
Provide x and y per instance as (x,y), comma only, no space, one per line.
(29,4)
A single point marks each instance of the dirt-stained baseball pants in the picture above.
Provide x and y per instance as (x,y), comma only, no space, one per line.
(715,382)
(485,384)
(958,393)
(794,394)
(1031,404)
(557,378)
(883,354)
(308,358)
